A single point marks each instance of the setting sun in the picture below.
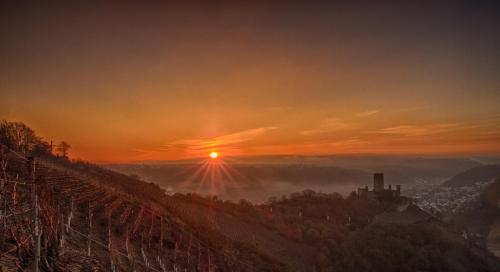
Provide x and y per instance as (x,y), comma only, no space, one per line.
(214,155)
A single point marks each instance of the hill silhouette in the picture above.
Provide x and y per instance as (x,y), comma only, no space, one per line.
(473,175)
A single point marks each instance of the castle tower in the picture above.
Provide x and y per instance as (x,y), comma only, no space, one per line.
(378,182)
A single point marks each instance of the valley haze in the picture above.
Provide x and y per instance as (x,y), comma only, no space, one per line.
(258,178)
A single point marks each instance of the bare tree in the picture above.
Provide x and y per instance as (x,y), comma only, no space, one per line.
(19,137)
(63,149)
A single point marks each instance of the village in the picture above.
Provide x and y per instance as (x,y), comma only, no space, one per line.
(442,200)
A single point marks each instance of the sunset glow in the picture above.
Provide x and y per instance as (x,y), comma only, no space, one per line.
(214,155)
(168,82)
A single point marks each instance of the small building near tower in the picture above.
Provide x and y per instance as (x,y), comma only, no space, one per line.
(379,191)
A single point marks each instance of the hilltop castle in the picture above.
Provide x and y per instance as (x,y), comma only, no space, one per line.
(378,189)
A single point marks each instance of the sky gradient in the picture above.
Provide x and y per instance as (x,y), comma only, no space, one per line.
(123,81)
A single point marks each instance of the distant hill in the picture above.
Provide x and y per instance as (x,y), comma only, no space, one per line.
(403,169)
(473,175)
(301,174)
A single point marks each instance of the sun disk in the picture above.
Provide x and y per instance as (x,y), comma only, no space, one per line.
(214,155)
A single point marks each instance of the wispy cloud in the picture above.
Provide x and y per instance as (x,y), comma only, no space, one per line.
(413,108)
(328,125)
(220,141)
(194,147)
(413,130)
(278,108)
(368,113)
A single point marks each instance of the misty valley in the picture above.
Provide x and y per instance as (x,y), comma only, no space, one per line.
(257,179)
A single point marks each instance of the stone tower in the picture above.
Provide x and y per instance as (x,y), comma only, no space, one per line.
(378,182)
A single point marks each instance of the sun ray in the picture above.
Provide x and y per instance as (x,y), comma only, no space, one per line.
(216,176)
(199,169)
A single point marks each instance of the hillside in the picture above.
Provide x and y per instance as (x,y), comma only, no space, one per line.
(348,234)
(76,216)
(477,174)
(123,228)
(297,233)
(484,220)
(491,198)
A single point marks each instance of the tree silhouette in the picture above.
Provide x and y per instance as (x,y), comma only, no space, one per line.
(63,148)
(18,136)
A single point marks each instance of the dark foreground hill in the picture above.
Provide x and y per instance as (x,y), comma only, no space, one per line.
(100,220)
(473,175)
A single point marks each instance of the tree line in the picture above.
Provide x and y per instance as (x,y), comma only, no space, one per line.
(21,138)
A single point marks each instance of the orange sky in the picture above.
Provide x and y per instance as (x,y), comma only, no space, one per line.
(143,82)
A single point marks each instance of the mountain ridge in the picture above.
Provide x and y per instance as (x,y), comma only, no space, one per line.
(473,175)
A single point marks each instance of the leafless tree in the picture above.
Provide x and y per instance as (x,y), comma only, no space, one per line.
(63,149)
(19,137)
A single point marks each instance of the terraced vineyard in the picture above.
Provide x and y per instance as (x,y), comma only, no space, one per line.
(53,219)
